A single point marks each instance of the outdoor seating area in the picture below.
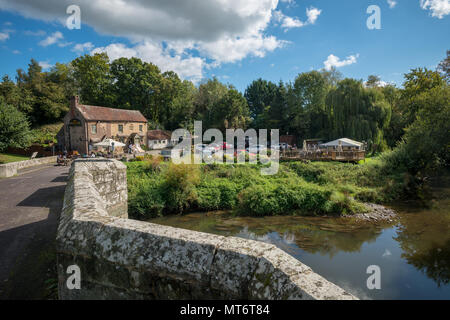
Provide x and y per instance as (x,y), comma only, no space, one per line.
(343,150)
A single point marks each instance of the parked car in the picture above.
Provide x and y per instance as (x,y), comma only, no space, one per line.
(226,146)
(257,148)
(284,146)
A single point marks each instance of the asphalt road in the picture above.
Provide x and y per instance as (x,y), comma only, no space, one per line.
(30,206)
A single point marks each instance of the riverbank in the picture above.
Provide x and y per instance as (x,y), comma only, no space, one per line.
(157,188)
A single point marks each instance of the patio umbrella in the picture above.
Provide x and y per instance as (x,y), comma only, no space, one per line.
(109,143)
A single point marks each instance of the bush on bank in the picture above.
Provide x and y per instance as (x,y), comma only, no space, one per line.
(157,188)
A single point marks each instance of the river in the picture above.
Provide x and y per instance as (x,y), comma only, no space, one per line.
(413,252)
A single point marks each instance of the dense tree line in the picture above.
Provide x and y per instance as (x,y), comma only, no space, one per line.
(317,104)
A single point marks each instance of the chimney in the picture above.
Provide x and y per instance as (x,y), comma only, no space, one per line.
(74,102)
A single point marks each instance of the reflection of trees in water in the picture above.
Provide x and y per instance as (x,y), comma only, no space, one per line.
(425,241)
(324,236)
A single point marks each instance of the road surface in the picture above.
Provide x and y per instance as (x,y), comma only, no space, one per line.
(30,205)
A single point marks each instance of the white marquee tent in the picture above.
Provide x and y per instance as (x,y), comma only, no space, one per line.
(344,142)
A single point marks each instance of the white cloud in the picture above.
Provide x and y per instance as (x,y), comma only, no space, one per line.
(312,14)
(45,64)
(52,39)
(392,3)
(82,47)
(4,35)
(438,8)
(233,50)
(333,61)
(291,22)
(16,52)
(39,33)
(151,51)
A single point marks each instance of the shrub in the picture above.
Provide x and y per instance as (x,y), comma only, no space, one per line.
(179,186)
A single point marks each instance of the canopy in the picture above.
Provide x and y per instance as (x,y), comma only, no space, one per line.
(109,143)
(344,142)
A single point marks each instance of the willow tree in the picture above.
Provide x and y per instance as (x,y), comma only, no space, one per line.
(358,113)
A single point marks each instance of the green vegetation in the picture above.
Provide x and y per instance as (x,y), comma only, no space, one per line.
(157,188)
(6,158)
(14,128)
(46,135)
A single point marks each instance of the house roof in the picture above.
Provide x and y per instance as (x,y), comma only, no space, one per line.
(110,114)
(158,135)
(345,142)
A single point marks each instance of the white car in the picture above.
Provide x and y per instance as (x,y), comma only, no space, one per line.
(257,148)
(198,148)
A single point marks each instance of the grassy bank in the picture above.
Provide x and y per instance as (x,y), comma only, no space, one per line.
(6,158)
(318,188)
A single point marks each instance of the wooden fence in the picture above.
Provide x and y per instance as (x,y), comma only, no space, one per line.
(323,155)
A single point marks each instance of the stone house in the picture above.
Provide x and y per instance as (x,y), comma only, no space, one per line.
(160,139)
(86,125)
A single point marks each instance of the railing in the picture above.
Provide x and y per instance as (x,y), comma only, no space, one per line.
(323,155)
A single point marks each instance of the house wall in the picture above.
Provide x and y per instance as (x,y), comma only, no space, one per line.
(75,136)
(80,137)
(156,144)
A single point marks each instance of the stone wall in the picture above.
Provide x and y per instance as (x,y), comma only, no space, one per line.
(121,258)
(10,169)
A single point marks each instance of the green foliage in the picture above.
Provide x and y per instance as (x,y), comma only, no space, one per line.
(14,128)
(179,183)
(357,112)
(93,78)
(46,134)
(426,144)
(298,188)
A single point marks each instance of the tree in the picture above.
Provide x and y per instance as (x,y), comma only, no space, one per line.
(373,81)
(311,89)
(14,127)
(417,82)
(93,78)
(231,111)
(136,86)
(444,67)
(44,100)
(209,94)
(358,113)
(259,94)
(426,144)
(15,96)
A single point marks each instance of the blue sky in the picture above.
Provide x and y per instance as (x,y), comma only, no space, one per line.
(236,41)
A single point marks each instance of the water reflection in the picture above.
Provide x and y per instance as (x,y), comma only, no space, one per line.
(413,253)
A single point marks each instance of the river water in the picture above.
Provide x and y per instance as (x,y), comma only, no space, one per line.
(413,252)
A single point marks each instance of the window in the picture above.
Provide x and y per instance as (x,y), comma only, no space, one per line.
(140,127)
(120,127)
(94,128)
(131,127)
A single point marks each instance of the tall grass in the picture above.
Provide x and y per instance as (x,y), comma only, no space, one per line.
(157,188)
